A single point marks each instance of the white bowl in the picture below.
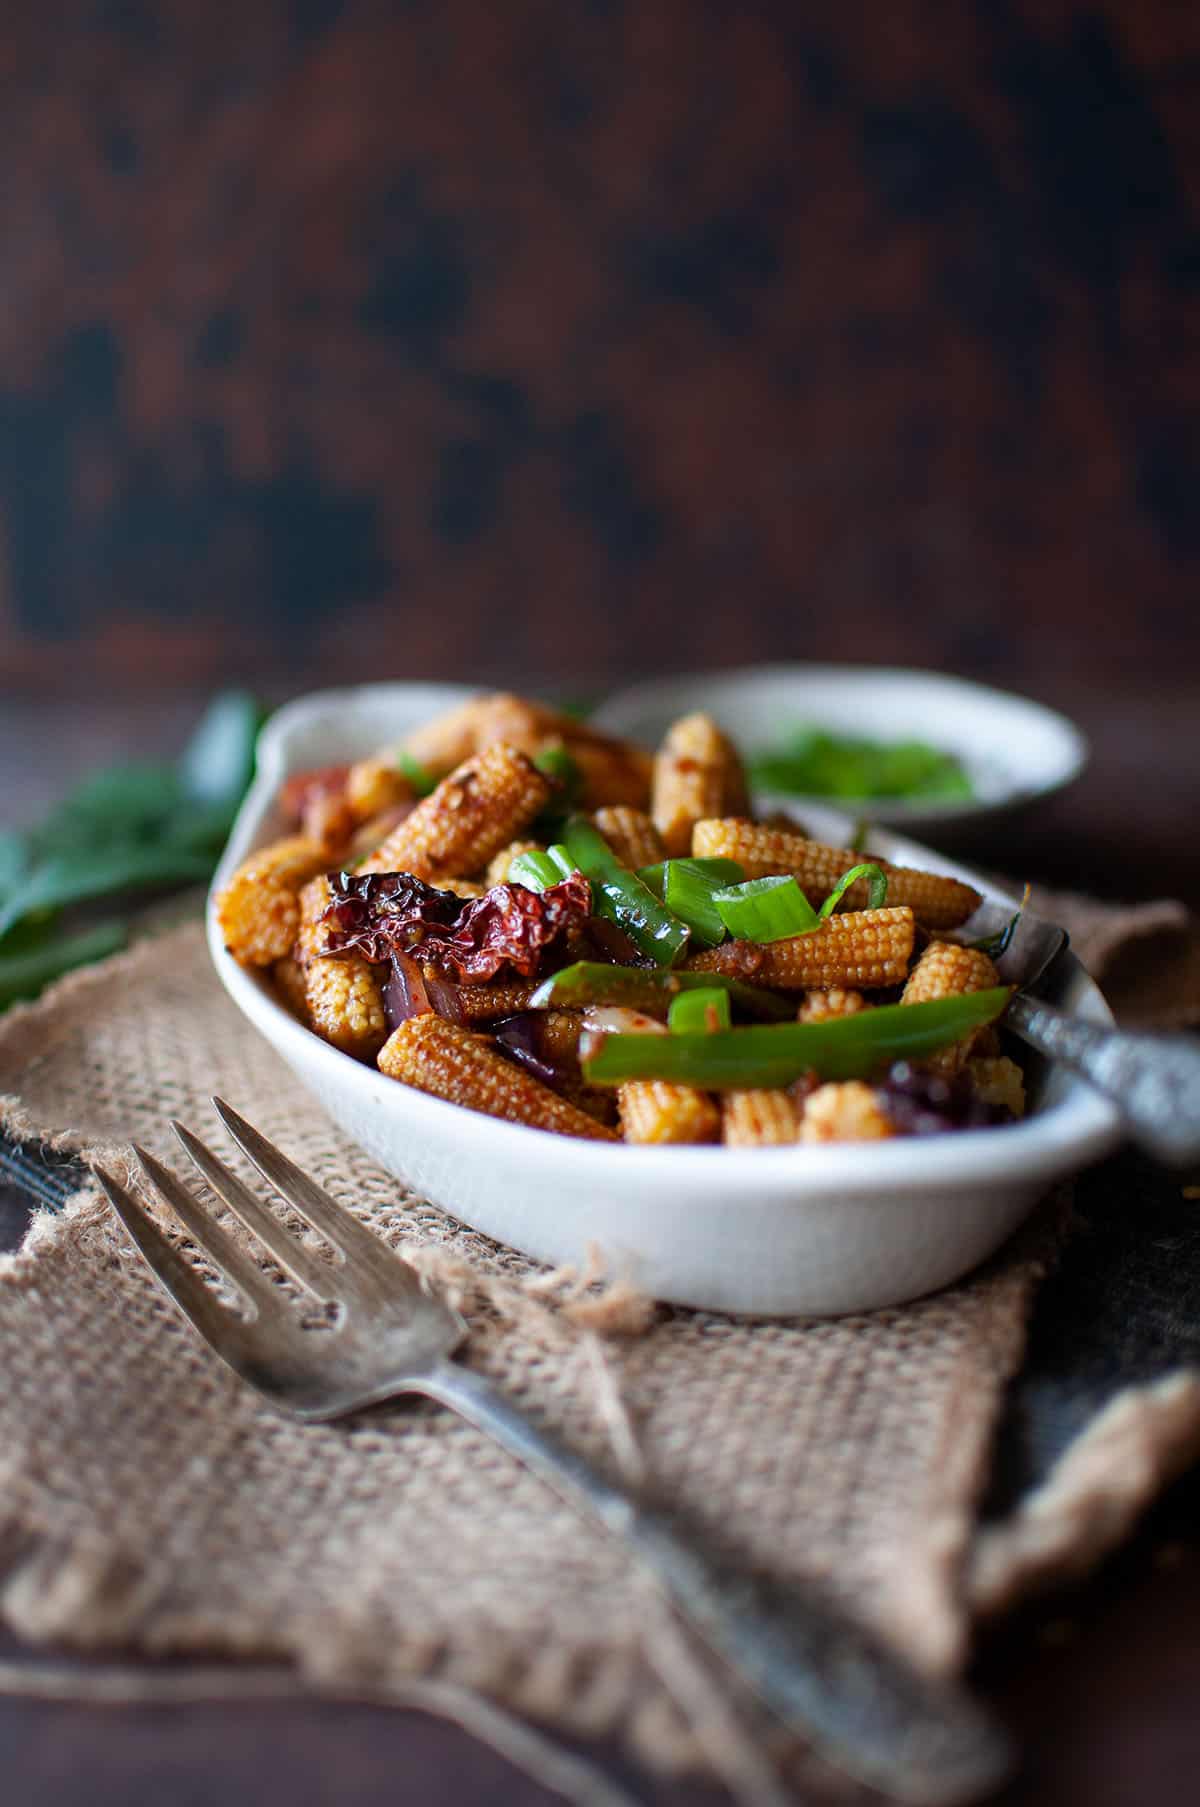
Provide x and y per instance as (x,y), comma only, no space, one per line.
(798,1231)
(1014,750)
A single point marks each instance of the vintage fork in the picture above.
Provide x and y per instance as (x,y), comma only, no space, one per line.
(383,1334)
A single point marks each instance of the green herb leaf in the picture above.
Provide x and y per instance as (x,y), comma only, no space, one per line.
(813,762)
(217,764)
(23,975)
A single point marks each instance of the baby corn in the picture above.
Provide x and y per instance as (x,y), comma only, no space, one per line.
(257,912)
(846,1111)
(820,1006)
(471,815)
(998,1080)
(758,1118)
(864,949)
(345,1004)
(631,835)
(656,1110)
(455,1064)
(488,1003)
(376,784)
(945,970)
(697,774)
(288,975)
(936,901)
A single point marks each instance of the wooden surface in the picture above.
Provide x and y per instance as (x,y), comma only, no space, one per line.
(1100,1685)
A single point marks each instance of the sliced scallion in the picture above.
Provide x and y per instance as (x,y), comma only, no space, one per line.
(422,781)
(620,894)
(766,909)
(535,870)
(876,888)
(650,989)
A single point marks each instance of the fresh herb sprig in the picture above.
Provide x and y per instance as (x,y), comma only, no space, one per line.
(126,831)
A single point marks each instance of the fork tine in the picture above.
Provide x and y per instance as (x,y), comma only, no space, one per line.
(358,1245)
(217,1325)
(290,1253)
(233,1260)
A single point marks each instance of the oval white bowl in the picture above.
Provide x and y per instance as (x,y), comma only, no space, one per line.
(1014,750)
(795,1231)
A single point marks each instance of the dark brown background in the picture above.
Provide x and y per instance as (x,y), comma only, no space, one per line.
(563,336)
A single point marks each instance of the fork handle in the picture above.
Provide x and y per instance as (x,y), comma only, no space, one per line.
(1154,1080)
(846,1692)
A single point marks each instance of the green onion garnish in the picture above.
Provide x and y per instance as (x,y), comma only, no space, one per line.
(422,781)
(650,989)
(774,1054)
(721,872)
(876,888)
(814,763)
(620,894)
(688,890)
(999,942)
(535,870)
(766,909)
(700,1012)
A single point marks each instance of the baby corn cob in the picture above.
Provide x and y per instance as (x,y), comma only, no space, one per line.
(631,835)
(345,1004)
(257,912)
(864,949)
(312,935)
(469,817)
(455,1064)
(820,1006)
(944,971)
(697,774)
(758,1118)
(846,1111)
(612,773)
(447,740)
(656,1110)
(998,1080)
(488,1003)
(498,865)
(376,784)
(936,901)
(466,888)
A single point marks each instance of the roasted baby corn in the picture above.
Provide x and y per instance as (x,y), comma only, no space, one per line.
(998,1080)
(945,970)
(611,770)
(456,1064)
(288,975)
(936,901)
(758,1118)
(697,774)
(631,835)
(656,1110)
(376,784)
(471,815)
(257,912)
(847,1111)
(863,950)
(342,994)
(820,1006)
(488,1003)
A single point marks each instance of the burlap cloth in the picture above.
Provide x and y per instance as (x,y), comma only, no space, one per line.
(153,1503)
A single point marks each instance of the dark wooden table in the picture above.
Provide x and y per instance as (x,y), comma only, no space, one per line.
(1099,1684)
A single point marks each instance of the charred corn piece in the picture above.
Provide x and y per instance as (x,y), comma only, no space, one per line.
(471,815)
(456,1064)
(758,1119)
(376,784)
(631,835)
(288,975)
(944,971)
(697,774)
(328,820)
(371,835)
(847,1111)
(466,888)
(863,950)
(257,912)
(612,773)
(656,1110)
(345,1004)
(488,1003)
(936,901)
(820,1006)
(998,1080)
(498,865)
(445,742)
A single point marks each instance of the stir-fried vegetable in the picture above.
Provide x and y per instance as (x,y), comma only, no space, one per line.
(773,1054)
(650,988)
(620,894)
(699,1012)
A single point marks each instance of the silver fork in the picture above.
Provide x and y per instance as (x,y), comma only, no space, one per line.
(385,1335)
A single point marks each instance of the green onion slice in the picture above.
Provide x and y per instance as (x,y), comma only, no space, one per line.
(535,870)
(774,1054)
(876,888)
(1000,940)
(699,1012)
(422,781)
(766,909)
(720,872)
(650,989)
(688,890)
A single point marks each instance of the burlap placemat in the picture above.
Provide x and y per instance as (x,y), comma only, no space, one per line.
(157,1504)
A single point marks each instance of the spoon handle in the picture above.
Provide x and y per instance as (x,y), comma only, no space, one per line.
(1154,1080)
